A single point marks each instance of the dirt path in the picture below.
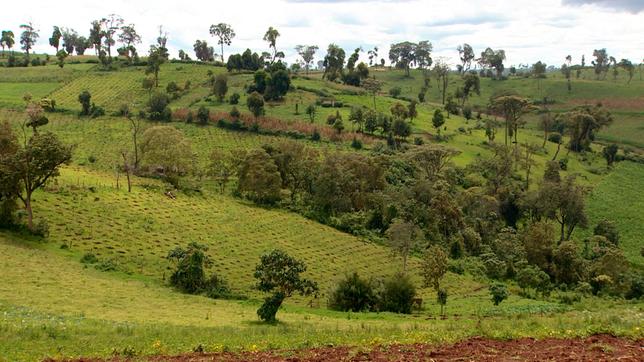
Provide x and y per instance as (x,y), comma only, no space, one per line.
(594,348)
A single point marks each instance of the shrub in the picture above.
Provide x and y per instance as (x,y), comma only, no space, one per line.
(395,92)
(607,229)
(316,135)
(41,229)
(467,112)
(398,294)
(499,293)
(554,137)
(124,110)
(96,111)
(353,294)
(158,107)
(89,258)
(203,115)
(356,144)
(234,98)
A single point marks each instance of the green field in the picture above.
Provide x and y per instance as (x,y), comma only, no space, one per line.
(56,306)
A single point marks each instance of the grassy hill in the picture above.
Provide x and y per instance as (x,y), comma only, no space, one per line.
(57,306)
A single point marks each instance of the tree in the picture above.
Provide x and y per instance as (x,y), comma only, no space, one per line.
(110,26)
(373,56)
(204,52)
(96,34)
(61,55)
(277,85)
(85,99)
(399,111)
(310,111)
(70,39)
(372,86)
(610,153)
(491,58)
(7,40)
(441,298)
(466,54)
(221,168)
(431,160)
(307,52)
(129,38)
(628,66)
(498,292)
(601,62)
(403,237)
(353,294)
(255,104)
(512,108)
(166,151)
(156,58)
(220,87)
(433,266)
(81,45)
(259,178)
(271,36)
(539,243)
(34,163)
(539,72)
(441,72)
(607,229)
(471,85)
(333,62)
(279,273)
(528,161)
(582,123)
(28,37)
(402,55)
(225,33)
(54,41)
(438,120)
(563,202)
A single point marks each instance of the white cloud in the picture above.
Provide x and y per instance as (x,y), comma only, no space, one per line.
(528,31)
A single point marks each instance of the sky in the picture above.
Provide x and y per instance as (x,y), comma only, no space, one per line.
(528,31)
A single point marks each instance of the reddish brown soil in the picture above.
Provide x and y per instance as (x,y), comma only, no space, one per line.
(594,348)
(636,104)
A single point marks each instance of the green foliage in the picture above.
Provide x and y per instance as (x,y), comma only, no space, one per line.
(259,178)
(434,266)
(85,100)
(397,294)
(158,107)
(203,115)
(498,292)
(353,294)
(255,104)
(234,98)
(279,273)
(220,87)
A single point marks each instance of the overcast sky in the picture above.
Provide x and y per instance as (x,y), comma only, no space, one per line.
(546,30)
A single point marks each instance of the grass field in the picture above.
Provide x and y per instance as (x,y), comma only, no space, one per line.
(56,306)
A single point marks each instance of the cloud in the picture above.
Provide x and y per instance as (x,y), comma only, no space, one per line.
(478,19)
(633,6)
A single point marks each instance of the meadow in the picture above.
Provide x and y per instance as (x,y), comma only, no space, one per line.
(57,306)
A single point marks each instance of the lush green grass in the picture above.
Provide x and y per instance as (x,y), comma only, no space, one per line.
(619,198)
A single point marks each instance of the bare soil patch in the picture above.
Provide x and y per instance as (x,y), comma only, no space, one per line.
(594,348)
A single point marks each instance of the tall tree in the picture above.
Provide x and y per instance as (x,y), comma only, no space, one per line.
(70,39)
(491,58)
(7,40)
(372,86)
(54,41)
(28,37)
(466,54)
(156,57)
(96,34)
(110,26)
(225,33)
(434,266)
(471,85)
(373,56)
(628,66)
(333,62)
(403,237)
(539,72)
(307,52)
(204,52)
(402,55)
(512,108)
(441,72)
(129,38)
(601,63)
(582,123)
(271,36)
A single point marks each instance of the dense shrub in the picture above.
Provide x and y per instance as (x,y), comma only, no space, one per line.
(158,109)
(353,294)
(397,294)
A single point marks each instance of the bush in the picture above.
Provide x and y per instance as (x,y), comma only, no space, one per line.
(203,115)
(499,293)
(398,294)
(89,258)
(395,92)
(96,111)
(216,287)
(554,137)
(353,294)
(467,112)
(234,98)
(356,144)
(41,229)
(316,135)
(158,107)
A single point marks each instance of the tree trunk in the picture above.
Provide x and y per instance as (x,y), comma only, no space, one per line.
(557,153)
(30,214)
(222,51)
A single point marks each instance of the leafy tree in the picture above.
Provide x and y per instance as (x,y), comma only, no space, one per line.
(607,229)
(563,202)
(225,33)
(399,111)
(30,165)
(158,107)
(333,62)
(531,277)
(203,115)
(601,62)
(441,72)
(491,58)
(307,52)
(156,57)
(398,294)
(96,34)
(357,116)
(434,266)
(204,52)
(255,104)
(353,294)
(278,84)
(406,54)
(411,110)
(628,66)
(271,36)
(259,178)
(189,276)
(28,37)
(279,273)
(566,70)
(582,123)
(498,292)
(512,108)
(372,86)
(539,72)
(7,40)
(610,153)
(70,38)
(311,110)
(81,44)
(466,54)
(221,168)
(438,120)
(129,38)
(166,151)
(85,99)
(431,160)
(110,26)
(441,298)
(220,87)
(61,55)
(471,85)
(403,237)
(54,41)
(539,243)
